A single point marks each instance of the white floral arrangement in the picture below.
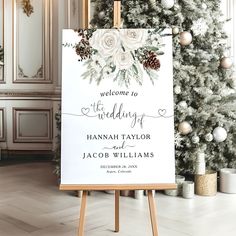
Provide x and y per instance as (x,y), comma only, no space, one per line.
(119,54)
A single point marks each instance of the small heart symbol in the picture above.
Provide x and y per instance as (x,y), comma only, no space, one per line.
(85,111)
(162,112)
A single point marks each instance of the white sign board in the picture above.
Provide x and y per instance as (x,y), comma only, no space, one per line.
(117,108)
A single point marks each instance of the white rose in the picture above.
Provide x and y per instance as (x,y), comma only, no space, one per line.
(123,60)
(133,38)
(106,41)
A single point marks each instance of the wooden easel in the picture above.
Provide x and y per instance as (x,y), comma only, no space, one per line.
(117,188)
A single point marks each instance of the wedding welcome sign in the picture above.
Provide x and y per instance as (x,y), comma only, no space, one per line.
(117,107)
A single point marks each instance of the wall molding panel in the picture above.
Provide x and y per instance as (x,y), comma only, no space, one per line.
(73,9)
(32,43)
(32,125)
(1,74)
(2,44)
(30,93)
(2,125)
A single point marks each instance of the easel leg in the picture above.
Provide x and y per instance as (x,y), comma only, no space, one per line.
(153,214)
(79,193)
(117,14)
(117,211)
(82,214)
(86,13)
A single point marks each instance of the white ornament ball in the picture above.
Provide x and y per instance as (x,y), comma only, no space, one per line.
(183,105)
(101,15)
(177,89)
(184,128)
(167,4)
(226,63)
(219,134)
(175,30)
(209,137)
(185,38)
(204,6)
(195,139)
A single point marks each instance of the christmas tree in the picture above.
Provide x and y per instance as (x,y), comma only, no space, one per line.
(205,106)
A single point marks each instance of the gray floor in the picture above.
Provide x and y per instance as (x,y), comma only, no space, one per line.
(31,204)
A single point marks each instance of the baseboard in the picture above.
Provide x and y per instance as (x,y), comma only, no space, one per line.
(13,157)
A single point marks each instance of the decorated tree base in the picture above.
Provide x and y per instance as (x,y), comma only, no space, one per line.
(228,180)
(206,185)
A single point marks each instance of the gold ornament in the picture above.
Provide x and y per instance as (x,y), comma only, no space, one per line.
(226,63)
(184,128)
(185,38)
(27,7)
(175,30)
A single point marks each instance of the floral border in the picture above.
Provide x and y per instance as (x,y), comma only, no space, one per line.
(119,54)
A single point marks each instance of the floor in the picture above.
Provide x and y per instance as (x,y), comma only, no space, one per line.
(31,204)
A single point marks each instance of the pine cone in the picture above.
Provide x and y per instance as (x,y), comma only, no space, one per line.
(83,50)
(152,62)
